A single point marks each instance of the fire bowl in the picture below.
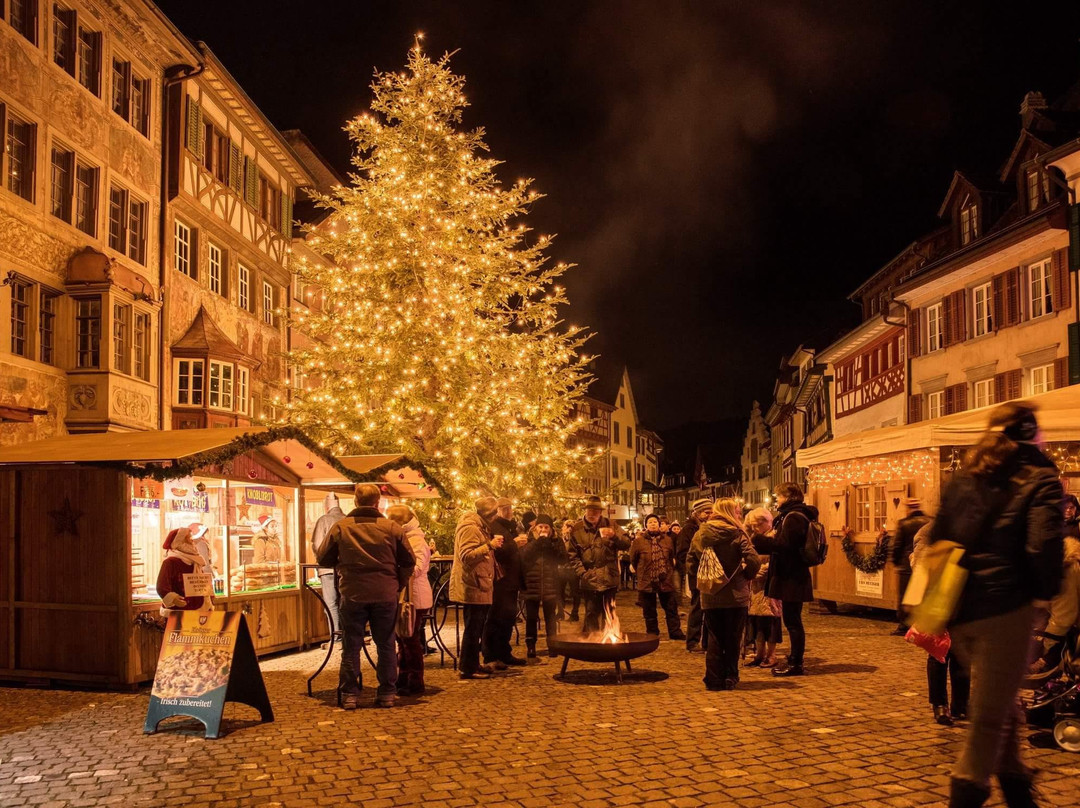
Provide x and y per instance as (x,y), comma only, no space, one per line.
(574,646)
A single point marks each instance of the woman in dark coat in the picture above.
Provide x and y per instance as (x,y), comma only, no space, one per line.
(1006,509)
(652,556)
(542,558)
(725,610)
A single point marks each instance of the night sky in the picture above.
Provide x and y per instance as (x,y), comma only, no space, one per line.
(723,173)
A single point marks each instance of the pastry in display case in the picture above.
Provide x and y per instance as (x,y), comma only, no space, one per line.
(262,553)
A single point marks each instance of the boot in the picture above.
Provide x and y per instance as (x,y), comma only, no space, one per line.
(1018,790)
(942,715)
(966,794)
(530,646)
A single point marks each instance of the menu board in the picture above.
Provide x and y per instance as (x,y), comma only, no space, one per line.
(207,658)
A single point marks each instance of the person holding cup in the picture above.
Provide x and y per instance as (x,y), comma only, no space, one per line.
(593,547)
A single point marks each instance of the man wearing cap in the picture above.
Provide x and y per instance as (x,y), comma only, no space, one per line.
(903,547)
(699,515)
(508,582)
(331,517)
(594,545)
(472,581)
(374,563)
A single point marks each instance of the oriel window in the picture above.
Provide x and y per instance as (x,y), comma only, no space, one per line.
(88,332)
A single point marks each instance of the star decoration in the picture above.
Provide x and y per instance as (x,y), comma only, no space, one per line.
(66,519)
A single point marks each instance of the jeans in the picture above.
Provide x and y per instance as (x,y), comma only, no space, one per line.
(355,618)
(411,657)
(596,604)
(694,621)
(669,602)
(500,625)
(937,676)
(722,656)
(330,598)
(995,650)
(532,620)
(475,615)
(792,613)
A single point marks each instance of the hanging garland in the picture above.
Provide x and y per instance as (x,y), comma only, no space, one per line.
(874,561)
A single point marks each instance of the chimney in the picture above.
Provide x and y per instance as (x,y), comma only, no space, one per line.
(1032,103)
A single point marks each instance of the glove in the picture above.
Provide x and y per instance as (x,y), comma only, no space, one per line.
(173,601)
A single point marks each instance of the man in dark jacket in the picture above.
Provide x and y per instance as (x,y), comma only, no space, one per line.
(373,563)
(542,560)
(699,514)
(903,547)
(652,554)
(508,581)
(789,576)
(594,545)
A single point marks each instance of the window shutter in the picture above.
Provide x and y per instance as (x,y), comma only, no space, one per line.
(1001,388)
(914,336)
(1061,372)
(955,398)
(1012,296)
(194,128)
(1074,238)
(998,287)
(236,168)
(959,323)
(915,409)
(251,182)
(1012,384)
(286,213)
(1059,286)
(950,400)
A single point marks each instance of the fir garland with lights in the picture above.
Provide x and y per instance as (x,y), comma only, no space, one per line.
(874,561)
(432,326)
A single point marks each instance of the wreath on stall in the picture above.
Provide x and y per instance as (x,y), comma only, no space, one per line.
(873,561)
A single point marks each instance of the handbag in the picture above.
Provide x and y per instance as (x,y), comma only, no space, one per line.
(944,584)
(406,614)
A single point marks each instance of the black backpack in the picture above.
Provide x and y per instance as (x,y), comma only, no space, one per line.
(816,546)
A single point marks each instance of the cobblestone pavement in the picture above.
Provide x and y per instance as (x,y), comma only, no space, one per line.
(856,732)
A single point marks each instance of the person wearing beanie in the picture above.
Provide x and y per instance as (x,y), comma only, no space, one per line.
(472,578)
(652,554)
(528,519)
(700,511)
(331,517)
(542,559)
(594,546)
(499,629)
(181,558)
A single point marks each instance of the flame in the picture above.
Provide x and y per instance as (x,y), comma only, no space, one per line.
(610,632)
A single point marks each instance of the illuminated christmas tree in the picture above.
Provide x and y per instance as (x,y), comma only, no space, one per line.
(439,334)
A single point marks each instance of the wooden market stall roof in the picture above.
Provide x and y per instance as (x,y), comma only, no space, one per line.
(1058,415)
(174,453)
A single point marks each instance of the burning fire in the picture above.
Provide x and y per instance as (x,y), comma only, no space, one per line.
(609,632)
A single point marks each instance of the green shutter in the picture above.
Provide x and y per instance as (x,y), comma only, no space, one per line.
(251,182)
(236,168)
(286,213)
(194,127)
(1074,238)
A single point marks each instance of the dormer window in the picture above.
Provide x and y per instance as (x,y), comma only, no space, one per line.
(969,222)
(1035,185)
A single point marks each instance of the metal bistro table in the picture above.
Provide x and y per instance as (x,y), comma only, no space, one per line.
(306,571)
(440,608)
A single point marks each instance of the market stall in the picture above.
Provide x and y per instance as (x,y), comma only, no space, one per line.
(860,482)
(83,522)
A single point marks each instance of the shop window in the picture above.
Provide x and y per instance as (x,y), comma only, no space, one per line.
(20,137)
(121,332)
(88,332)
(215,269)
(262,540)
(221,386)
(189,382)
(1040,300)
(140,346)
(183,249)
(23,16)
(1041,379)
(20,318)
(243,287)
(870,508)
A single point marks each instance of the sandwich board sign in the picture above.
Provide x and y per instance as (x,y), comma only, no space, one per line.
(207,659)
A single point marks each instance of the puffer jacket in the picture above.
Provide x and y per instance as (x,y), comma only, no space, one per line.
(594,558)
(732,548)
(789,577)
(421,586)
(373,559)
(653,558)
(1011,525)
(472,574)
(543,560)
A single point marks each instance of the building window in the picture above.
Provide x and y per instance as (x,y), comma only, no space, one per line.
(182,249)
(22,14)
(622,401)
(243,405)
(1035,187)
(74,190)
(64,38)
(617,427)
(983,393)
(935,404)
(268,303)
(121,332)
(1039,300)
(1042,379)
(47,326)
(63,182)
(89,65)
(935,328)
(629,470)
(969,223)
(216,152)
(221,386)
(869,508)
(215,268)
(630,437)
(20,318)
(88,332)
(270,202)
(140,346)
(189,382)
(131,96)
(983,310)
(243,287)
(19,138)
(614,468)
(127,224)
(121,87)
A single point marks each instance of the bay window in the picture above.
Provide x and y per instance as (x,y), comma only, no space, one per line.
(221,385)
(121,331)
(88,332)
(189,382)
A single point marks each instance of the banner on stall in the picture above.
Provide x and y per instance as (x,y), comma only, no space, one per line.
(260,496)
(207,659)
(196,502)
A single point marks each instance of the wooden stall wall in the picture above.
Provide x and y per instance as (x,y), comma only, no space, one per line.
(67,531)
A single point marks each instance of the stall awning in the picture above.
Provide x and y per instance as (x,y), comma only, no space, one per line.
(1058,414)
(177,453)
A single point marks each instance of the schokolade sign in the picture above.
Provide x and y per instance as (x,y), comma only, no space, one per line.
(207,659)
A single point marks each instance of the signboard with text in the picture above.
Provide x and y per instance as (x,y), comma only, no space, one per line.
(207,658)
(870,584)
